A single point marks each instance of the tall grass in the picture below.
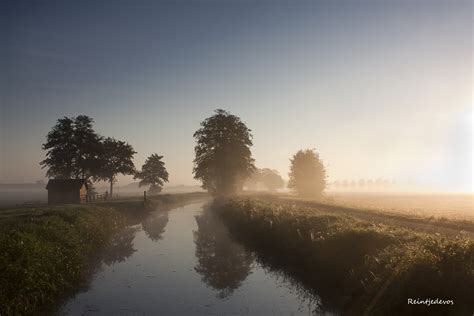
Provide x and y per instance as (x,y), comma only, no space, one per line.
(355,266)
(45,254)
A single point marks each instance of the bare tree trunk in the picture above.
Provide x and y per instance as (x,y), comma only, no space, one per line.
(111,187)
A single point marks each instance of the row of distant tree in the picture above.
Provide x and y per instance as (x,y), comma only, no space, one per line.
(270,179)
(74,150)
(362,184)
(223,159)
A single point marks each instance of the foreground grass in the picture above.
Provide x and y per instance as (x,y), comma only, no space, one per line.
(356,266)
(45,253)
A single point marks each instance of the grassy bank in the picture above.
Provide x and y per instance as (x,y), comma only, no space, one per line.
(135,204)
(46,252)
(136,210)
(356,266)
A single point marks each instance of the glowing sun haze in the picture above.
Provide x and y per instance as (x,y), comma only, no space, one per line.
(379,89)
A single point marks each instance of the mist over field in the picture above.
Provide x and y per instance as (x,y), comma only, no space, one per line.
(236,157)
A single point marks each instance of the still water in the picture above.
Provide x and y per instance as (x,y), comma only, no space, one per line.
(183,262)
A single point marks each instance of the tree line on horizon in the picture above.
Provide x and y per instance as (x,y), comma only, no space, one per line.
(378,183)
(223,159)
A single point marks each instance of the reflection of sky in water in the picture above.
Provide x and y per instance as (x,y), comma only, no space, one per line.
(159,278)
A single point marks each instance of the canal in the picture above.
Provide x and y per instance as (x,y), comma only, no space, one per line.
(184,262)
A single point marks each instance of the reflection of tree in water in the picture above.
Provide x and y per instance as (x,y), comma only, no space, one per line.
(154,225)
(309,298)
(222,263)
(120,247)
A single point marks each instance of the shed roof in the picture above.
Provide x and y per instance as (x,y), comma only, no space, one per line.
(73,184)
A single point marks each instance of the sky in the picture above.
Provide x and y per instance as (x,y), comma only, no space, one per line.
(381,89)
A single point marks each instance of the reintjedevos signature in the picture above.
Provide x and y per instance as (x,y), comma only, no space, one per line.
(429,301)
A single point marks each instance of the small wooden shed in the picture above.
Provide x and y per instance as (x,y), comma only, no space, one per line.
(64,191)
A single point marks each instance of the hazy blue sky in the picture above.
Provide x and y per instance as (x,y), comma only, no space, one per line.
(380,89)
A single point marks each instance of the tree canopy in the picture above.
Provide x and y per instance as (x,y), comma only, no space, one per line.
(116,158)
(307,174)
(153,173)
(223,159)
(72,149)
(75,150)
(271,179)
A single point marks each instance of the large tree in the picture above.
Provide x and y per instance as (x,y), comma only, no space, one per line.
(72,149)
(153,173)
(307,174)
(116,158)
(223,159)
